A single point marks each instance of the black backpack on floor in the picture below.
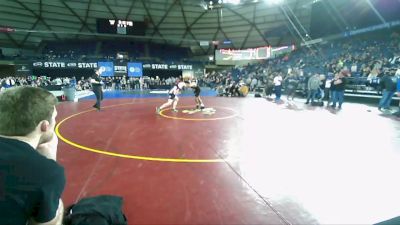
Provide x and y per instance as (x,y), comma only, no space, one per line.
(99,210)
(319,103)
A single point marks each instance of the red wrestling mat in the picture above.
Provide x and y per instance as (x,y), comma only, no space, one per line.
(239,161)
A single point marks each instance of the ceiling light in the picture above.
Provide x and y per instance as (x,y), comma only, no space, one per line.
(275,2)
(235,2)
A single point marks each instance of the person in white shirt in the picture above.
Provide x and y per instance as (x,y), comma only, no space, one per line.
(141,83)
(253,83)
(278,87)
(173,98)
(353,68)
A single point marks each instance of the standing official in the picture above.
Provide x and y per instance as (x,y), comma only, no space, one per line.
(97,87)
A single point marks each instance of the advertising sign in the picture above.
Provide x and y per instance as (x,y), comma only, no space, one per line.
(135,69)
(107,68)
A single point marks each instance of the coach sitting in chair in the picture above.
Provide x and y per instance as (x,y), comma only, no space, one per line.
(31,181)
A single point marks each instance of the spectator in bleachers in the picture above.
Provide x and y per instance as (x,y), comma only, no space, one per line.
(253,84)
(328,91)
(397,113)
(291,83)
(313,85)
(388,84)
(233,89)
(353,68)
(123,83)
(278,86)
(58,81)
(269,86)
(321,91)
(337,87)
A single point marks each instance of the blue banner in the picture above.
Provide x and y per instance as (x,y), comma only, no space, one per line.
(135,69)
(398,84)
(106,68)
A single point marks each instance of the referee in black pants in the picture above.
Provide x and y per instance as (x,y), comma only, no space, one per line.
(97,88)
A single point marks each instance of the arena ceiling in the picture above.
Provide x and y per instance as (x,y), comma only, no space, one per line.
(179,22)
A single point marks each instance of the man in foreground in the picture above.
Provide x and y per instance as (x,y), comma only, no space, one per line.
(31,181)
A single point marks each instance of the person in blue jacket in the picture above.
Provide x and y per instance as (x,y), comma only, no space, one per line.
(398,94)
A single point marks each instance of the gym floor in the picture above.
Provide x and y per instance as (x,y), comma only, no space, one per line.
(242,161)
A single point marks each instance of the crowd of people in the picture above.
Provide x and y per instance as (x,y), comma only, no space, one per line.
(43,81)
(319,73)
(111,83)
(358,64)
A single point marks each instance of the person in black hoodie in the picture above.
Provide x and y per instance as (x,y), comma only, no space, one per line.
(322,87)
(388,85)
(337,86)
(291,83)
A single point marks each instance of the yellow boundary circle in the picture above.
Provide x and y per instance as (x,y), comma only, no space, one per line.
(199,119)
(100,151)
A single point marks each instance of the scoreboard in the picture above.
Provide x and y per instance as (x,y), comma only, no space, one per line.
(238,56)
(232,56)
(117,26)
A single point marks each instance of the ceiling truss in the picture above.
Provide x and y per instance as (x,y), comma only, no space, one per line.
(243,24)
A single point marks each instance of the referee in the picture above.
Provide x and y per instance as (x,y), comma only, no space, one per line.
(97,88)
